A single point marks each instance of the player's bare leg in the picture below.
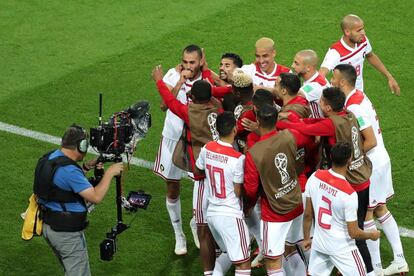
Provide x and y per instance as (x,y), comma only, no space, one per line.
(390,228)
(207,248)
(274,266)
(293,264)
(242,269)
(173,205)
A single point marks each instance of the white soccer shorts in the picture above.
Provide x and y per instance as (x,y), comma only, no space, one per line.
(164,166)
(232,236)
(380,189)
(295,234)
(349,263)
(273,237)
(200,201)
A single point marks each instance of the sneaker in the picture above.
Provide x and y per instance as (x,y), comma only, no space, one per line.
(395,268)
(180,245)
(258,261)
(193,227)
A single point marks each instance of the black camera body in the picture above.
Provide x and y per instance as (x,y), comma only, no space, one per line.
(108,248)
(123,130)
(111,137)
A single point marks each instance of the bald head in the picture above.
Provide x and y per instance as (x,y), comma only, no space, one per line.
(349,21)
(265,43)
(309,57)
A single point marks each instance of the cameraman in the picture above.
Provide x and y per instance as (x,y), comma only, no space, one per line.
(62,189)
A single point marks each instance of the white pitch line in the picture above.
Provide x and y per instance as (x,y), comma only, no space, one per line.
(404,232)
(56,140)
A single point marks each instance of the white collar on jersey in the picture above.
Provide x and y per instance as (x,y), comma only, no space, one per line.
(349,95)
(336,174)
(347,46)
(224,143)
(311,79)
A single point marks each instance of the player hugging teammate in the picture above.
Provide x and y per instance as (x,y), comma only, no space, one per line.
(298,168)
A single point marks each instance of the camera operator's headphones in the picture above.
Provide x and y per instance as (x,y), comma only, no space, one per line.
(83,143)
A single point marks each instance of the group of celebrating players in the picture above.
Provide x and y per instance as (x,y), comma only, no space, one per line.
(281,156)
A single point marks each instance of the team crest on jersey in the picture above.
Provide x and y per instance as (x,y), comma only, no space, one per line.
(237,111)
(211,120)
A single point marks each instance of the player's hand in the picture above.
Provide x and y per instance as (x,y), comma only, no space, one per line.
(115,169)
(203,61)
(395,88)
(283,115)
(307,244)
(375,235)
(185,74)
(157,73)
(250,125)
(179,68)
(163,106)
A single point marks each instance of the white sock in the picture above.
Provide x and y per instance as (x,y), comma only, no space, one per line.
(242,272)
(275,272)
(222,265)
(208,273)
(373,246)
(389,225)
(372,273)
(294,265)
(174,210)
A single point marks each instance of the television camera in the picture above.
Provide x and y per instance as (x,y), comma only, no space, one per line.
(120,135)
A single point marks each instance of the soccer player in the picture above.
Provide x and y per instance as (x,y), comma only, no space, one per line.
(305,65)
(179,82)
(199,117)
(224,169)
(270,164)
(287,88)
(352,49)
(265,70)
(332,201)
(243,91)
(338,126)
(381,189)
(228,63)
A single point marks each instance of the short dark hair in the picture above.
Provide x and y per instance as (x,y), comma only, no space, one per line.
(267,116)
(348,72)
(245,92)
(335,98)
(235,58)
(193,48)
(225,123)
(340,153)
(201,90)
(262,97)
(290,82)
(72,136)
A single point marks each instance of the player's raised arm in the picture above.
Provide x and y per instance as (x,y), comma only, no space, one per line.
(375,61)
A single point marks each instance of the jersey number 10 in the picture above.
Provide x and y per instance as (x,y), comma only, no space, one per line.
(217,181)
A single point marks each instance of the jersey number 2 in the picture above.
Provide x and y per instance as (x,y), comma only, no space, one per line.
(327,211)
(219,189)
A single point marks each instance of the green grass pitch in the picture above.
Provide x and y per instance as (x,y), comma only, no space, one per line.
(56,56)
